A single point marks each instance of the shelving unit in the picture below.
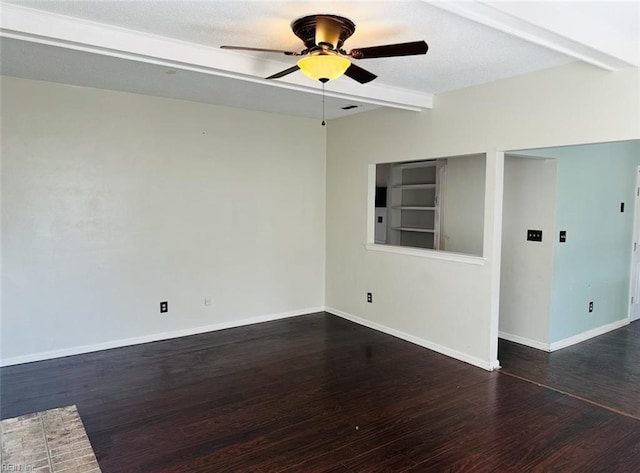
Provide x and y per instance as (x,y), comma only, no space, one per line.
(414,197)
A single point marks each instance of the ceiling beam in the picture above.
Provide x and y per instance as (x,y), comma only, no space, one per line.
(542,33)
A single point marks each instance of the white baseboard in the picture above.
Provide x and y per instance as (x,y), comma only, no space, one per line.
(524,341)
(48,355)
(458,355)
(581,337)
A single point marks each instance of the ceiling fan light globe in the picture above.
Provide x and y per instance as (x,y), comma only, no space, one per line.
(324,66)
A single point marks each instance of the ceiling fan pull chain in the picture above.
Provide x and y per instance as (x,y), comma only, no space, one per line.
(323,123)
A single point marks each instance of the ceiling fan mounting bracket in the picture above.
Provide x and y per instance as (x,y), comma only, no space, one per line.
(305,28)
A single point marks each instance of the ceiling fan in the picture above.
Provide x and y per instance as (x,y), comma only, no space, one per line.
(323,57)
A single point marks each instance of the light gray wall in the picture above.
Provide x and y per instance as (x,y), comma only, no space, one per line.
(527,266)
(382,175)
(452,306)
(463,205)
(113,202)
(594,264)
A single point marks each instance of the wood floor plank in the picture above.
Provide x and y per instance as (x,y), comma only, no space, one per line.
(315,394)
(604,369)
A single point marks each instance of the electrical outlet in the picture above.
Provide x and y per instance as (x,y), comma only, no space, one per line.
(534,235)
(591,306)
(207,300)
(563,236)
(369,297)
(164,307)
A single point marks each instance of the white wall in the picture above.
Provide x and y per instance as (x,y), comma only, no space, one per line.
(452,306)
(463,205)
(113,202)
(593,265)
(527,266)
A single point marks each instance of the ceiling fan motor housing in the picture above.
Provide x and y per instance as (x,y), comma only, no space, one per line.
(316,31)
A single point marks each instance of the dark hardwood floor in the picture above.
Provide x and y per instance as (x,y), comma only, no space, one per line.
(604,369)
(316,394)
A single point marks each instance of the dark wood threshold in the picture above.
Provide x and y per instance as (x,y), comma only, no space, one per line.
(604,370)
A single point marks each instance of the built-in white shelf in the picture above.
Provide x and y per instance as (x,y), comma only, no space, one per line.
(414,229)
(412,207)
(414,198)
(415,164)
(415,186)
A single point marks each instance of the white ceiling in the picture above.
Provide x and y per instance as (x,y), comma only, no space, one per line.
(171,48)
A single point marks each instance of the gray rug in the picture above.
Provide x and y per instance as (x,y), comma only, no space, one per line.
(52,441)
